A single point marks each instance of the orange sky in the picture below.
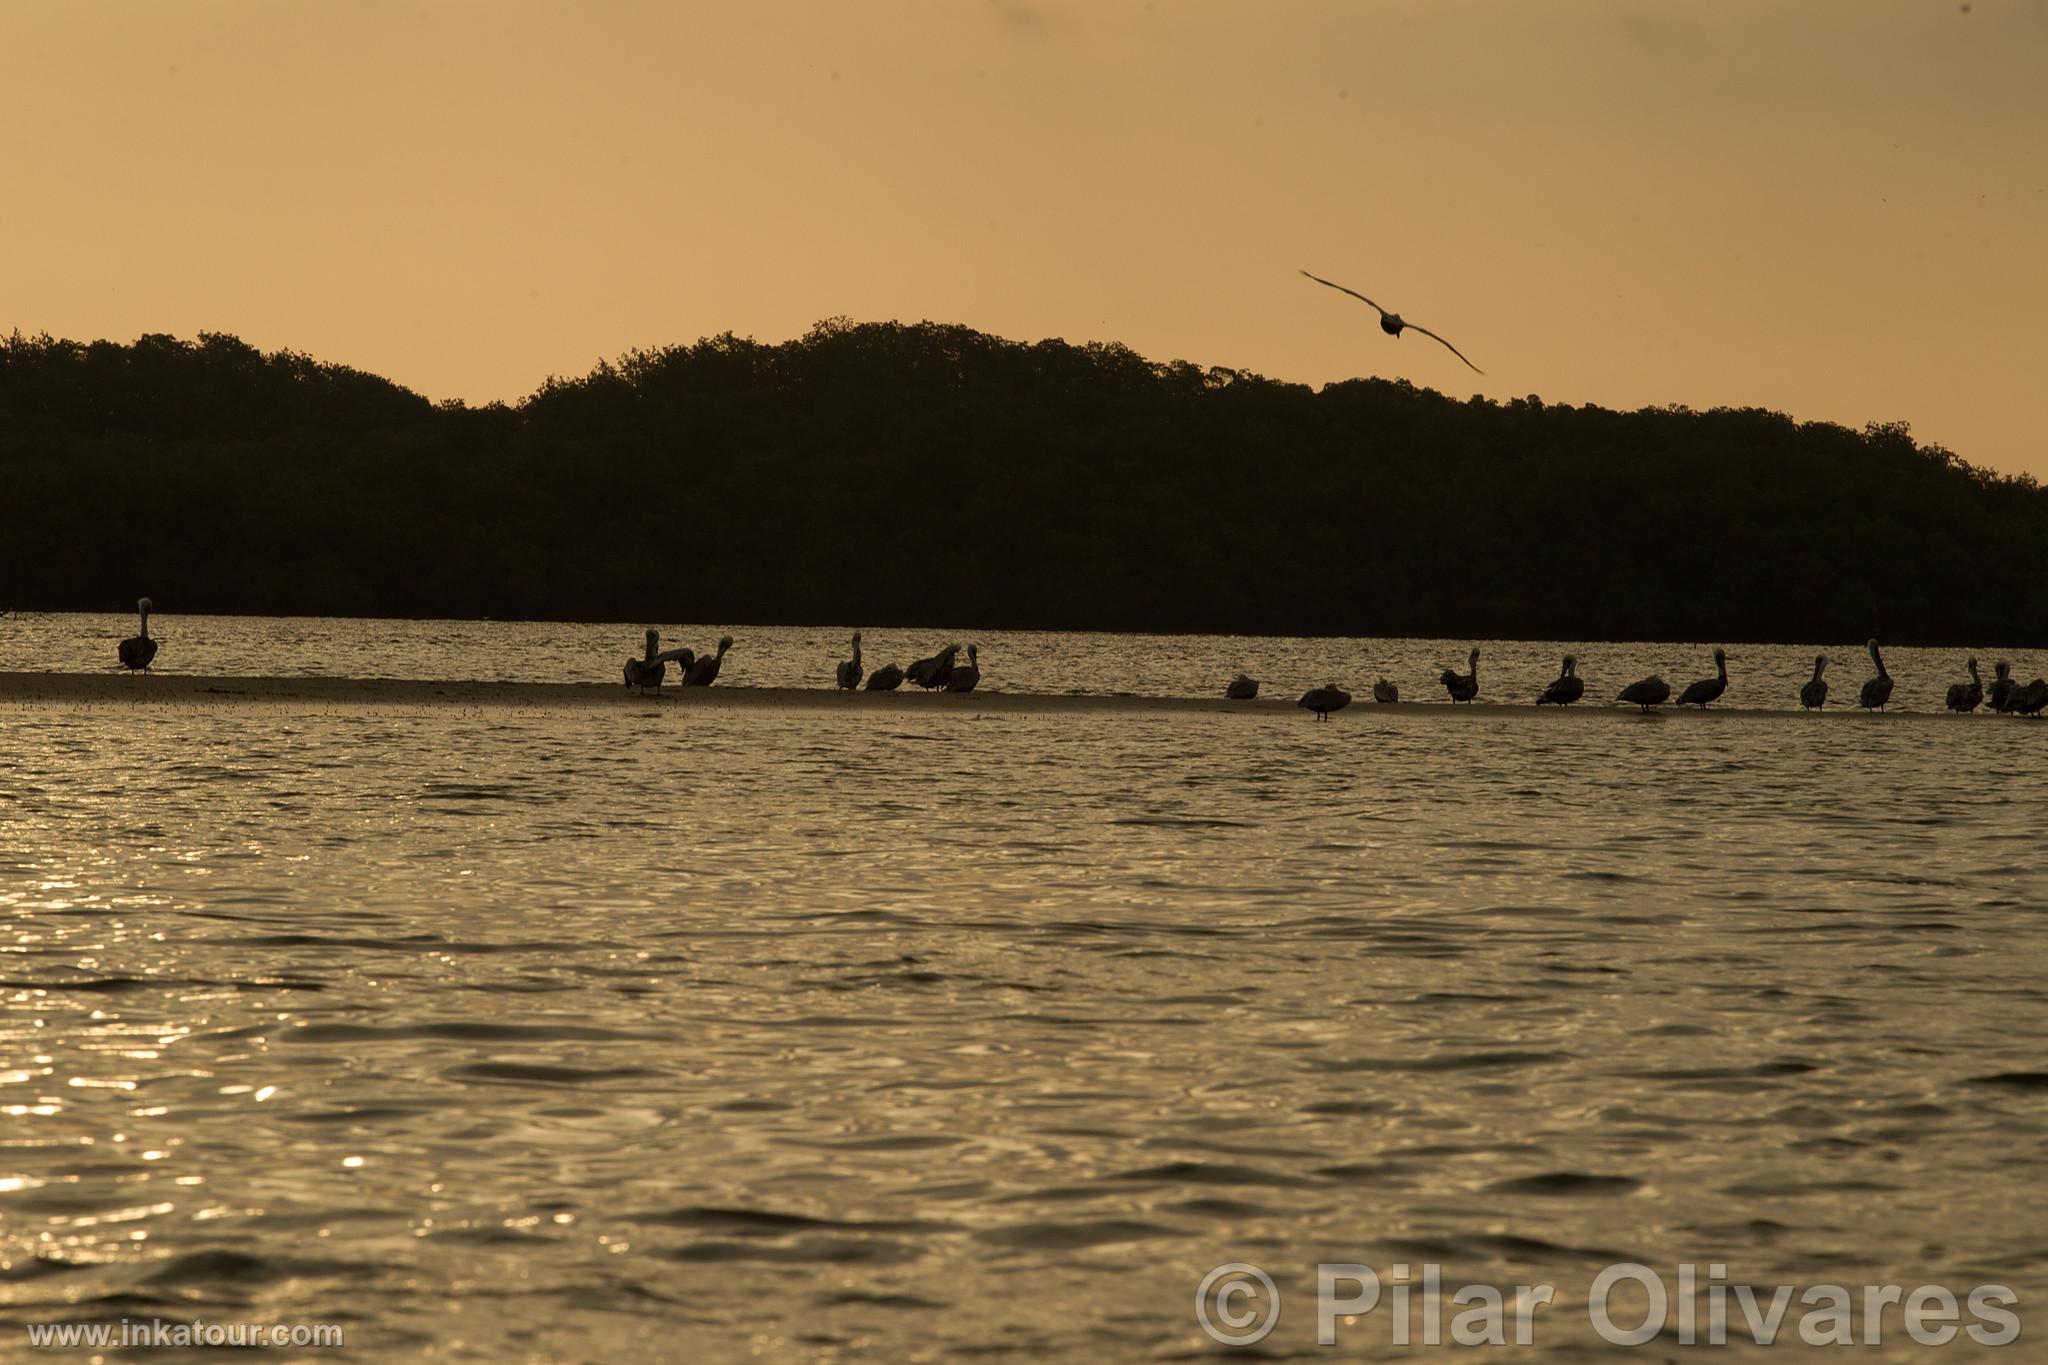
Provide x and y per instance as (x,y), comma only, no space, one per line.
(1839,209)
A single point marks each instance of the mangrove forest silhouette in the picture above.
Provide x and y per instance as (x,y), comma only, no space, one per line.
(896,474)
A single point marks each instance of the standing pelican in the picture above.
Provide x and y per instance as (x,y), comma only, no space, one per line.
(1878,690)
(1651,691)
(964,677)
(1707,689)
(887,678)
(2031,699)
(703,671)
(2001,687)
(1385,692)
(1568,686)
(849,670)
(1462,686)
(648,670)
(1325,699)
(1391,323)
(1814,695)
(137,650)
(1967,697)
(931,673)
(1242,688)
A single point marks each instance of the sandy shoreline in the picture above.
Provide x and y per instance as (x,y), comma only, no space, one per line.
(180,689)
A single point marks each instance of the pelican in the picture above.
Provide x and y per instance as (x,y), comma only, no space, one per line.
(849,671)
(138,650)
(1242,688)
(1462,686)
(703,671)
(1878,690)
(1568,686)
(1651,691)
(648,670)
(930,673)
(2001,687)
(1967,697)
(963,677)
(887,678)
(1325,699)
(1385,692)
(1814,695)
(1391,323)
(1707,689)
(2029,700)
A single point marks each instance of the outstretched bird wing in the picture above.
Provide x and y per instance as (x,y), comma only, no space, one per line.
(1360,297)
(1446,345)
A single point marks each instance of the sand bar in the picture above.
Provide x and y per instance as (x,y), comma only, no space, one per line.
(188,690)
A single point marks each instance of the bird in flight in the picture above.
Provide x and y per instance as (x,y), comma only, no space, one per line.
(1391,323)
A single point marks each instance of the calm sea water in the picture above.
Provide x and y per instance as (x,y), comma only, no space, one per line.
(715,1035)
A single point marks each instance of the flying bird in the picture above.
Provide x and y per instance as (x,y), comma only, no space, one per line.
(1814,696)
(1392,323)
(137,650)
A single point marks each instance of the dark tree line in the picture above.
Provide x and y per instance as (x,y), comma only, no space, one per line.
(887,473)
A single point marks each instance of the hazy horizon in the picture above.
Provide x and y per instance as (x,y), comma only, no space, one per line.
(1834,211)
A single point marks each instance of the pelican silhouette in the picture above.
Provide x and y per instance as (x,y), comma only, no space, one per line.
(137,650)
(887,678)
(1878,690)
(1325,699)
(648,670)
(1707,689)
(1242,688)
(1814,695)
(703,670)
(2029,700)
(1964,698)
(931,673)
(849,670)
(1568,686)
(2001,687)
(1462,686)
(1392,323)
(1385,692)
(964,677)
(1651,691)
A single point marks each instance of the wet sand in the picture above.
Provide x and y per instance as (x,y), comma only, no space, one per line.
(183,689)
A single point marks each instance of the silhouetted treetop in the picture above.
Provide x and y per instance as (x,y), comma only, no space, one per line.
(921,472)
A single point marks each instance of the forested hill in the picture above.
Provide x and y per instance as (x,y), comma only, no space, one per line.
(900,474)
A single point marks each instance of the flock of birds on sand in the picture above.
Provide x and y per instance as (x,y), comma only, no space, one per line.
(2005,695)
(942,672)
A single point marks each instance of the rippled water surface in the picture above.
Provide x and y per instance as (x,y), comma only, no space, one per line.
(690,1033)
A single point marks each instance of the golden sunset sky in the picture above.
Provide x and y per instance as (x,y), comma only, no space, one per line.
(1838,208)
